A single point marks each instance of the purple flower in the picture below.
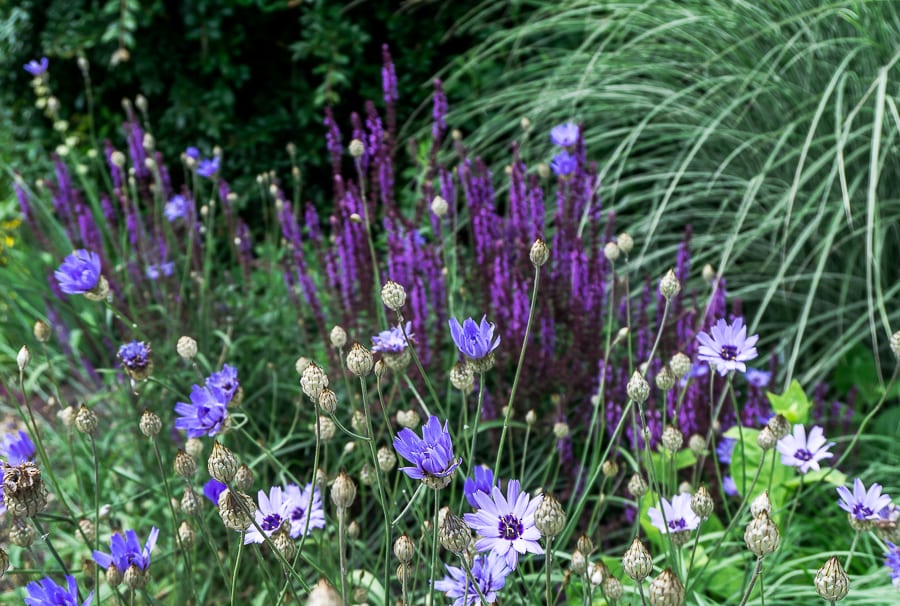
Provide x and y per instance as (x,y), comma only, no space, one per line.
(17,448)
(192,152)
(135,356)
(863,504)
(274,510)
(176,208)
(728,347)
(564,135)
(212,490)
(506,524)
(208,168)
(482,481)
(697,370)
(205,414)
(758,378)
(679,517)
(431,456)
(724,450)
(489,571)
(802,451)
(37,68)
(563,164)
(729,487)
(473,340)
(156,271)
(225,380)
(392,340)
(298,513)
(47,593)
(79,272)
(891,560)
(125,552)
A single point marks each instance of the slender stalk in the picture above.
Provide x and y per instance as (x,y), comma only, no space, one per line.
(415,357)
(342,515)
(852,549)
(381,495)
(237,563)
(168,490)
(470,459)
(547,569)
(474,582)
(365,205)
(756,572)
(434,545)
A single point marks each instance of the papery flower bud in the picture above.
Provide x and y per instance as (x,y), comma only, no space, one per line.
(462,377)
(539,253)
(185,465)
(625,243)
(761,535)
(343,491)
(367,475)
(702,503)
(585,545)
(338,337)
(189,504)
(243,479)
(530,417)
(360,360)
(637,485)
(21,533)
(638,389)
(114,576)
(697,444)
(313,381)
(358,423)
(780,426)
(86,420)
(708,273)
(135,578)
(87,529)
(895,344)
(611,251)
(352,529)
(669,286)
(23,358)
(328,401)
(766,439)
(186,348)
(439,206)
(150,423)
(672,438)
(42,331)
(301,364)
(236,509)
(67,416)
(666,590)
(283,542)
(326,428)
(393,295)
(454,534)
(222,464)
(597,573)
(404,549)
(549,518)
(560,430)
(613,588)
(761,504)
(680,365)
(578,564)
(408,418)
(609,468)
(324,594)
(24,493)
(665,378)
(186,534)
(637,561)
(832,583)
(194,447)
(386,459)
(356,148)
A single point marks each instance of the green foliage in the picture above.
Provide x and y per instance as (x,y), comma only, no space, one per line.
(793,403)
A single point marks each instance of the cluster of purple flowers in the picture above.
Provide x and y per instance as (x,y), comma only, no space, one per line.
(431,455)
(289,506)
(125,552)
(208,408)
(135,359)
(79,272)
(47,593)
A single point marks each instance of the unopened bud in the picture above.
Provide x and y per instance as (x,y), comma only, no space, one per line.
(761,535)
(539,253)
(338,337)
(343,491)
(672,439)
(439,206)
(185,465)
(680,365)
(832,583)
(222,464)
(186,347)
(86,420)
(313,381)
(549,518)
(638,389)
(637,486)
(360,360)
(702,503)
(23,358)
(669,286)
(408,418)
(766,439)
(42,331)
(625,243)
(186,534)
(611,251)
(393,295)
(708,273)
(697,444)
(761,504)
(243,478)
(561,430)
(666,590)
(357,148)
(665,378)
(637,561)
(150,423)
(780,426)
(609,468)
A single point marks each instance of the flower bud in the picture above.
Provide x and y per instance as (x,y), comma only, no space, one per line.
(766,439)
(609,469)
(185,465)
(625,243)
(530,417)
(761,504)
(549,518)
(324,594)
(313,381)
(87,529)
(669,286)
(67,416)
(404,549)
(408,418)
(708,273)
(301,364)
(637,561)
(243,479)
(42,331)
(680,365)
(702,503)
(283,542)
(338,337)
(343,491)
(194,447)
(672,438)
(325,429)
(439,206)
(114,576)
(135,578)
(356,148)
(186,347)
(761,535)
(561,430)
(386,459)
(832,583)
(780,426)
(222,464)
(86,420)
(613,588)
(328,403)
(236,509)
(150,423)
(638,389)
(637,486)
(578,565)
(665,379)
(23,358)
(360,360)
(597,573)
(186,534)
(697,444)
(585,545)
(454,534)
(611,251)
(539,253)
(393,295)
(462,377)
(189,504)
(666,590)
(352,529)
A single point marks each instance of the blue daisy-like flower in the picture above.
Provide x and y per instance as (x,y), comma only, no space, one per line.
(563,164)
(192,152)
(47,593)
(728,346)
(37,68)
(127,551)
(482,481)
(475,341)
(301,511)
(79,272)
(679,517)
(225,380)
(16,448)
(863,504)
(802,451)
(505,524)
(392,341)
(431,455)
(207,168)
(205,414)
(176,208)
(564,135)
(489,571)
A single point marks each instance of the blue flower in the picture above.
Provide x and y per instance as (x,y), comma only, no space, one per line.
(724,450)
(482,481)
(298,513)
(192,152)
(506,524)
(286,506)
(155,271)
(212,490)
(205,414)
(37,68)
(728,347)
(758,378)
(488,570)
(176,208)
(679,517)
(431,455)
(892,561)
(79,272)
(862,504)
(208,168)
(729,487)
(563,164)
(392,340)
(47,593)
(802,451)
(473,340)
(564,135)
(225,380)
(135,358)
(17,448)
(125,552)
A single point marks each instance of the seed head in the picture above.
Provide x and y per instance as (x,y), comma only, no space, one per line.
(338,337)
(23,358)
(21,533)
(185,465)
(702,503)
(550,518)
(352,528)
(597,572)
(613,588)
(666,590)
(87,528)
(313,380)
(114,576)
(222,464)
(404,549)
(625,243)
(761,535)
(150,423)
(680,364)
(325,429)
(637,485)
(585,544)
(360,360)
(408,418)
(283,542)
(780,426)
(393,295)
(367,475)
(301,364)
(86,420)
(669,286)
(609,468)
(356,148)
(42,331)
(832,583)
(324,594)
(243,479)
(328,401)
(186,534)
(236,509)
(439,206)
(611,251)
(638,389)
(637,561)
(697,444)
(24,493)
(358,423)
(539,253)
(672,439)
(665,378)
(462,377)
(189,504)
(708,273)
(530,417)
(343,491)
(386,459)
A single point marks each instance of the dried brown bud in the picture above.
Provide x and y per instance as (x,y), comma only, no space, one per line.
(343,491)
(761,535)
(236,509)
(150,423)
(539,253)
(24,493)
(86,420)
(185,465)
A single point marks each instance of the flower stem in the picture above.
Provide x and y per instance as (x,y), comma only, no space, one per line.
(434,544)
(547,568)
(342,514)
(756,572)
(237,563)
(852,548)
(382,499)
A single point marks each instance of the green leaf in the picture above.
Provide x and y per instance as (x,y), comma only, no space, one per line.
(793,403)
(745,460)
(683,458)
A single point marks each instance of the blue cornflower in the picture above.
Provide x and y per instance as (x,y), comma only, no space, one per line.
(862,504)
(37,68)
(17,448)
(802,451)
(729,487)
(208,168)
(192,152)
(205,414)
(156,271)
(47,593)
(79,272)
(489,571)
(176,208)
(392,340)
(126,552)
(506,524)
(431,455)
(724,450)
(226,380)
(482,481)
(679,517)
(728,347)
(563,164)
(212,490)
(298,512)
(475,341)
(758,378)
(274,510)
(135,359)
(891,560)
(564,135)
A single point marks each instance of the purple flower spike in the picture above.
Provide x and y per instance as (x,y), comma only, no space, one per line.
(155,271)
(431,455)
(16,448)
(563,164)
(79,272)
(205,414)
(862,504)
(564,135)
(208,168)
(892,561)
(126,552)
(489,571)
(506,524)
(728,347)
(473,340)
(47,593)
(679,517)
(212,490)
(802,451)
(37,68)
(482,481)
(392,340)
(758,378)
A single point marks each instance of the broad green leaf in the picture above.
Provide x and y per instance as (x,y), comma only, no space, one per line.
(747,459)
(793,403)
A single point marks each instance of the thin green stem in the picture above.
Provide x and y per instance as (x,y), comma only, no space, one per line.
(852,549)
(434,545)
(237,563)
(756,572)
(342,514)
(547,569)
(381,495)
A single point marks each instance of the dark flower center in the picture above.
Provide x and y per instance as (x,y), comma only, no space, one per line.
(679,524)
(861,512)
(297,514)
(729,352)
(803,455)
(271,522)
(510,527)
